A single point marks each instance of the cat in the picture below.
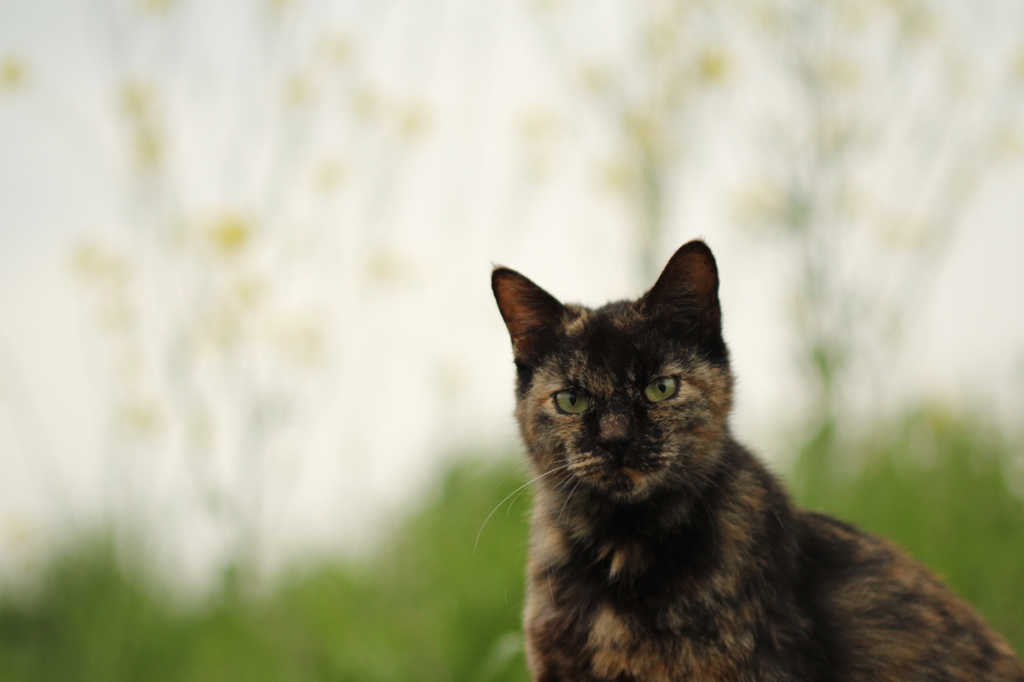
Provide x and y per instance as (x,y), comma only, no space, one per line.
(661,550)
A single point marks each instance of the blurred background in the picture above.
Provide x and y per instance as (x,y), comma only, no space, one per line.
(255,396)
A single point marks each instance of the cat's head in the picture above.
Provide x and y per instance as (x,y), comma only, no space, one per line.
(632,397)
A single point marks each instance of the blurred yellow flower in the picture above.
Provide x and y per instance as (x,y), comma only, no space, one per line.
(760,203)
(647,132)
(538,125)
(713,66)
(116,313)
(414,120)
(330,174)
(366,103)
(841,71)
(899,231)
(618,177)
(147,147)
(230,234)
(661,38)
(595,79)
(19,533)
(298,91)
(388,267)
(960,74)
(1017,65)
(539,130)
(22,543)
(223,327)
(852,16)
(13,73)
(770,18)
(918,22)
(302,342)
(140,417)
(136,100)
(97,262)
(337,48)
(1006,142)
(248,291)
(546,5)
(199,432)
(157,6)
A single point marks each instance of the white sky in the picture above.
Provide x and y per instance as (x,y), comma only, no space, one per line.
(459,207)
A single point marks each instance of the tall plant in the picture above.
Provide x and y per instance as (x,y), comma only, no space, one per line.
(215,289)
(885,125)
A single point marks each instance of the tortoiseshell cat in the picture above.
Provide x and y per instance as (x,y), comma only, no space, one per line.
(663,551)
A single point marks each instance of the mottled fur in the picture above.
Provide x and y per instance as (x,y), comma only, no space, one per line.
(663,551)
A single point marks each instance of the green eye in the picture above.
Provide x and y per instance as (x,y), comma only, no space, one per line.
(660,389)
(572,402)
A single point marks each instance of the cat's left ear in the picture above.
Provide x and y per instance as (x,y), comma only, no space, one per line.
(688,290)
(531,314)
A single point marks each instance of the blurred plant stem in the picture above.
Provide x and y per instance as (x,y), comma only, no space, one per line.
(867,251)
(16,396)
(650,92)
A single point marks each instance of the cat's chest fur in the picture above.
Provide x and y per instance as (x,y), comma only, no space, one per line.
(685,603)
(605,630)
(612,645)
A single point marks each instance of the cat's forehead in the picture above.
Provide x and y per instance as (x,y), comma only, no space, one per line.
(624,316)
(614,341)
(612,332)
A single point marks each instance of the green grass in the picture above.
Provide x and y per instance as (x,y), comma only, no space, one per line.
(428,607)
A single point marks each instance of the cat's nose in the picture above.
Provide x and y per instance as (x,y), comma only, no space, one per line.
(613,428)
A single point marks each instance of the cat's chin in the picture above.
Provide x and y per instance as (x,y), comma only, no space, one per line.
(622,483)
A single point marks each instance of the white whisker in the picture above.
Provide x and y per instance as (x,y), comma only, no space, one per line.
(568,497)
(498,506)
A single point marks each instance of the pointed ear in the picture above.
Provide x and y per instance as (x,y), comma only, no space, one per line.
(530,313)
(688,289)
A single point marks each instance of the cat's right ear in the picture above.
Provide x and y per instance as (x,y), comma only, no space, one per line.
(531,314)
